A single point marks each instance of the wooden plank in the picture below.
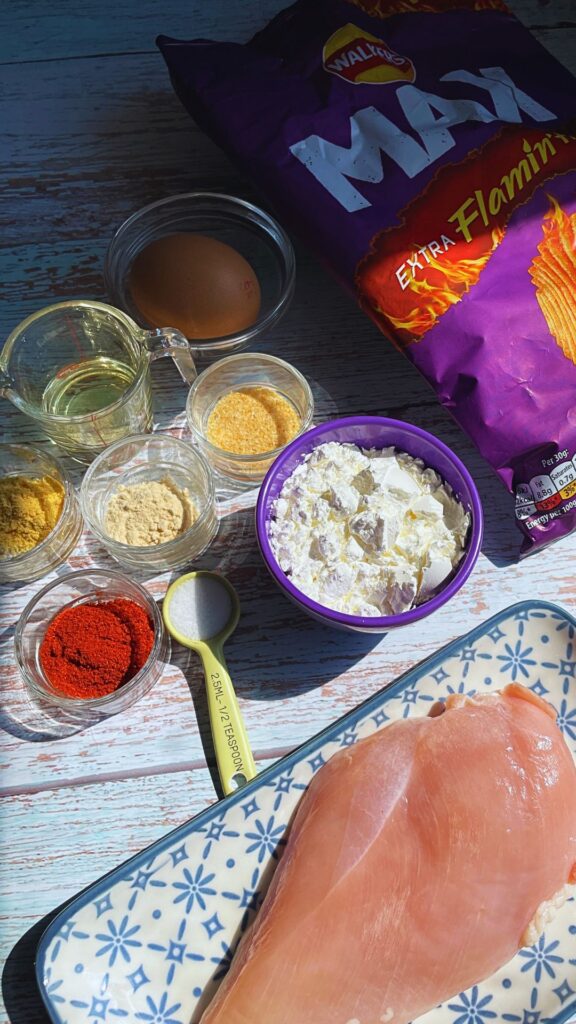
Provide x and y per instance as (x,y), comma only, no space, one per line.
(285,698)
(61,29)
(48,32)
(560,41)
(97,154)
(56,843)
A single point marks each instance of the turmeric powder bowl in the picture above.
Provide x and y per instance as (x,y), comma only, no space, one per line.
(142,641)
(40,520)
(242,412)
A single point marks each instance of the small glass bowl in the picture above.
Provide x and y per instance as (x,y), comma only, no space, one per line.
(252,369)
(145,457)
(249,230)
(86,586)
(24,460)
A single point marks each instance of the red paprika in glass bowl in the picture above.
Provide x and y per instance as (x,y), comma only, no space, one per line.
(91,643)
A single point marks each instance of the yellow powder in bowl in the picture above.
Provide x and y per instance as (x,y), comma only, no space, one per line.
(252,420)
(30,507)
(151,512)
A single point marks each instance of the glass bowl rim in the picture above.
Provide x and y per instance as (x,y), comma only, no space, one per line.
(167,546)
(252,356)
(108,699)
(376,623)
(274,231)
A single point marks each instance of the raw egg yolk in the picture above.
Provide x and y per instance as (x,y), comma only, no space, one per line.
(202,286)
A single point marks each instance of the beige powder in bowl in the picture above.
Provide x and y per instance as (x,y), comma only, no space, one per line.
(151,512)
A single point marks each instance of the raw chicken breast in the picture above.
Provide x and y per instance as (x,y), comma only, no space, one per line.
(418,862)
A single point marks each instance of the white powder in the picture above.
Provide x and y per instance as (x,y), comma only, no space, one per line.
(200,607)
(367,532)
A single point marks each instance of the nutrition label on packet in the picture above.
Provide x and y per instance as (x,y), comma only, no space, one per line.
(547,491)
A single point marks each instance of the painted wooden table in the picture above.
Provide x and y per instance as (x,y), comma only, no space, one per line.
(93,131)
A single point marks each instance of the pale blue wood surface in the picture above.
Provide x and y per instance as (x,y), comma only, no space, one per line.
(92,130)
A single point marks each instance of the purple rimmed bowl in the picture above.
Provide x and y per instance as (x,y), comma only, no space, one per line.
(372,432)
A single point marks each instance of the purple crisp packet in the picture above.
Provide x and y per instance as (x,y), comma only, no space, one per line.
(423,147)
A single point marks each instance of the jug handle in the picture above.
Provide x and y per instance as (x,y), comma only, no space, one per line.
(167,341)
(6,386)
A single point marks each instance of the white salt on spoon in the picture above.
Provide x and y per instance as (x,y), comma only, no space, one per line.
(201,610)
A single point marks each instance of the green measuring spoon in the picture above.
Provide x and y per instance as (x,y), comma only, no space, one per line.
(201,610)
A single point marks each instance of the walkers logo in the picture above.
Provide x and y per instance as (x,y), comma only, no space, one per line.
(360,58)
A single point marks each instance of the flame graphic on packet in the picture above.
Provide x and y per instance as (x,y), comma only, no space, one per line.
(458,276)
(460,226)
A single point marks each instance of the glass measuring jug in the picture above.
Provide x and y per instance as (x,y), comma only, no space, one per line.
(81,370)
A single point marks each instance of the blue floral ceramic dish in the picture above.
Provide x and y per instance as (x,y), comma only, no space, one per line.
(150,941)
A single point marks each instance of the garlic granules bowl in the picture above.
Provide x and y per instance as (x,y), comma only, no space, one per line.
(244,377)
(368,523)
(150,501)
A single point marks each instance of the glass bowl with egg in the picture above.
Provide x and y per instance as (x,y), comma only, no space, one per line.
(216,267)
(242,412)
(369,524)
(40,519)
(150,500)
